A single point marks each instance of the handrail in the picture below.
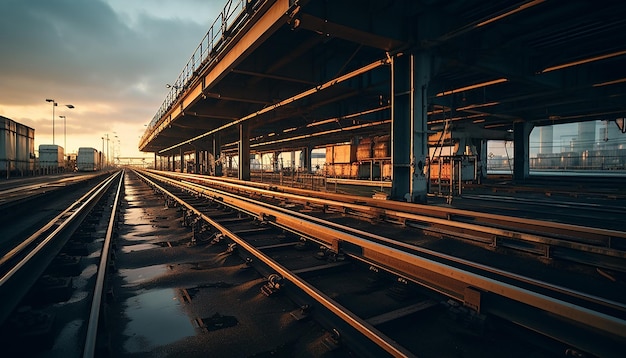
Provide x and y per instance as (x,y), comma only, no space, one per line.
(225,25)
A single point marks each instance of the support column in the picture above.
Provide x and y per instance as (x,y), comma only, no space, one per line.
(521,145)
(244,152)
(155,161)
(182,159)
(275,167)
(409,136)
(305,160)
(196,161)
(168,163)
(482,173)
(217,164)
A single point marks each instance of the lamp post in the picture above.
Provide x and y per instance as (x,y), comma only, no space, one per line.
(54,104)
(64,140)
(116,140)
(70,106)
(107,159)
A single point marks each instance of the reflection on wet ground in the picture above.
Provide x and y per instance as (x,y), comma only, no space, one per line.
(146,329)
(133,277)
(138,247)
(183,299)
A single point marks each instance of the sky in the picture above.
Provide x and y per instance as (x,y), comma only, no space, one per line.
(110,59)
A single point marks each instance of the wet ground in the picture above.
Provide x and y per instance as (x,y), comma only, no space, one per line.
(174,299)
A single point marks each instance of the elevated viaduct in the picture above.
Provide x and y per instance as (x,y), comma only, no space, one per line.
(286,75)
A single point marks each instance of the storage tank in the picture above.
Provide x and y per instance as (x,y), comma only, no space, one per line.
(88,159)
(51,156)
(546,135)
(17,147)
(25,148)
(7,145)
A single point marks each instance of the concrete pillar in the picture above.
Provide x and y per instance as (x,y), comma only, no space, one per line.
(305,160)
(482,173)
(155,161)
(217,153)
(521,145)
(410,74)
(182,159)
(196,161)
(275,166)
(244,152)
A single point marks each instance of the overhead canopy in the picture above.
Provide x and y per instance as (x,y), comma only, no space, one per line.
(316,72)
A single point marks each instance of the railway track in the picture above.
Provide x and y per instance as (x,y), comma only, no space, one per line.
(43,281)
(596,247)
(573,320)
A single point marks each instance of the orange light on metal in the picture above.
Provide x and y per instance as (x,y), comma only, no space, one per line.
(471,87)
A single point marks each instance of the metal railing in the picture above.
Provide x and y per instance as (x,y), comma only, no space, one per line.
(228,23)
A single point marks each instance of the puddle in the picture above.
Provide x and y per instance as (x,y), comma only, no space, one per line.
(156,319)
(136,276)
(138,247)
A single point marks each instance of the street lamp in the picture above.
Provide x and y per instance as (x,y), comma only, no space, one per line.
(64,141)
(70,106)
(54,104)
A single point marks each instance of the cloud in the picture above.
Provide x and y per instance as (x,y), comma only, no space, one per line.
(111,59)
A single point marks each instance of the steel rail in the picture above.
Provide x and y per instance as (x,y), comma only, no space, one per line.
(451,280)
(361,325)
(492,233)
(17,192)
(453,259)
(436,211)
(94,314)
(21,267)
(60,221)
(395,243)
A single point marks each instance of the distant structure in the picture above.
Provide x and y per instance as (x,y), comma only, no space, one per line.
(51,158)
(17,148)
(596,145)
(88,160)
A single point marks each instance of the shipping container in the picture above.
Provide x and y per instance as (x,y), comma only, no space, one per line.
(381,146)
(441,168)
(88,159)
(342,170)
(17,147)
(341,154)
(364,149)
(51,156)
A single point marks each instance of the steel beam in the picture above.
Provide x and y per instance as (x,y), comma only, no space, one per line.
(409,119)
